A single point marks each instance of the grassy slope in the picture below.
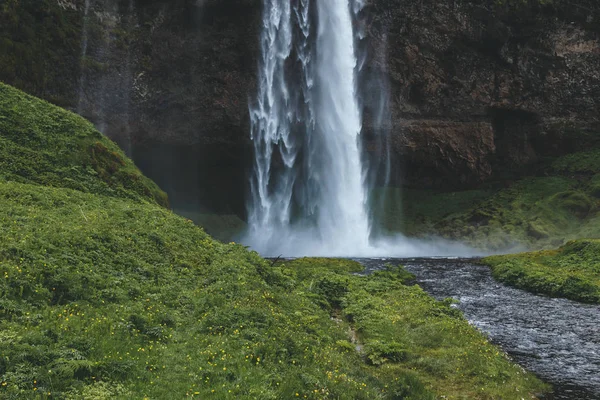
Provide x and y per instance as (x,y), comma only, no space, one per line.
(43,144)
(535,212)
(223,227)
(573,271)
(410,338)
(104,293)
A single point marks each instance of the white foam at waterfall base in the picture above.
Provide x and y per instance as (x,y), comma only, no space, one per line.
(298,243)
(306,122)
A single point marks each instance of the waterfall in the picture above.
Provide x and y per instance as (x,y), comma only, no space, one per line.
(311,179)
(342,216)
(307,191)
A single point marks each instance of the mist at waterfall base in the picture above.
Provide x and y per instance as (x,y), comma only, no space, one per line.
(311,177)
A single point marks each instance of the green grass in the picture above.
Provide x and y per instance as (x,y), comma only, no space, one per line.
(118,298)
(535,212)
(414,212)
(573,271)
(105,293)
(408,338)
(223,227)
(44,144)
(98,289)
(583,162)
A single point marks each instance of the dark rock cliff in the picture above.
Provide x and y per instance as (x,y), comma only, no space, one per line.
(477,90)
(480,88)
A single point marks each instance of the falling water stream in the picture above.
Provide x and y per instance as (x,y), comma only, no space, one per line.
(307,189)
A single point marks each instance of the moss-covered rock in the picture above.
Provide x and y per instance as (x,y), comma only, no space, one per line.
(594,186)
(573,271)
(536,212)
(587,162)
(43,144)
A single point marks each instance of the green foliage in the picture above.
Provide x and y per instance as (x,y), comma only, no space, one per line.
(594,186)
(535,212)
(104,294)
(333,287)
(573,271)
(44,144)
(101,289)
(583,162)
(39,48)
(414,211)
(422,348)
(220,226)
(576,203)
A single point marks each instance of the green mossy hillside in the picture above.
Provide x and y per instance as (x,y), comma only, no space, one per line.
(559,205)
(104,297)
(109,296)
(561,202)
(534,212)
(587,162)
(104,293)
(223,227)
(573,271)
(44,144)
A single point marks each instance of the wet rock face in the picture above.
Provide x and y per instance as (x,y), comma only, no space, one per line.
(175,72)
(508,84)
(445,153)
(474,88)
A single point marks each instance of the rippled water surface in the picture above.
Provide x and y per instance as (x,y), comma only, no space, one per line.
(557,339)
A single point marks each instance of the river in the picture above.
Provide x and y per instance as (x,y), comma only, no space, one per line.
(557,339)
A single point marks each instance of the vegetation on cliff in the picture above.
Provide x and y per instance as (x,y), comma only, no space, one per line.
(573,271)
(39,47)
(104,293)
(561,203)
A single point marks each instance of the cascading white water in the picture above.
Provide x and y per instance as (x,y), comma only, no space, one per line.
(308,189)
(342,216)
(271,120)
